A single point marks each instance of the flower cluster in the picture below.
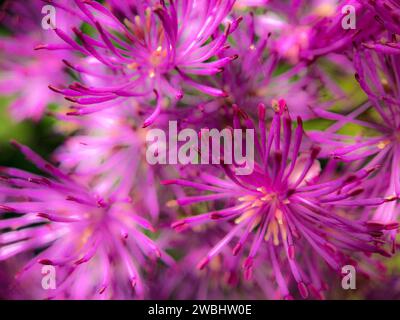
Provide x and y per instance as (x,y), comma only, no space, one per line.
(316,84)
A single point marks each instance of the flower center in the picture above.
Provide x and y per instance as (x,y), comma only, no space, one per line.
(157,56)
(276,225)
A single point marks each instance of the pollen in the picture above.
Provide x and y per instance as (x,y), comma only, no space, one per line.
(325,10)
(279,216)
(275,105)
(216,263)
(132,66)
(273,230)
(247,198)
(386,85)
(382,144)
(171,204)
(85,237)
(245,215)
(276,227)
(391,198)
(157,56)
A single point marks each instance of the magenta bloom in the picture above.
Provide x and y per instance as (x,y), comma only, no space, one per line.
(21,65)
(220,279)
(17,70)
(107,153)
(77,230)
(145,197)
(142,47)
(283,211)
(247,85)
(388,14)
(244,83)
(308,30)
(377,74)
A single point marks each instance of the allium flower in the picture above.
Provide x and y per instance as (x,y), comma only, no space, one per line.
(247,85)
(289,216)
(145,47)
(219,279)
(308,31)
(21,65)
(18,70)
(258,41)
(377,74)
(108,153)
(244,83)
(77,230)
(388,14)
(307,201)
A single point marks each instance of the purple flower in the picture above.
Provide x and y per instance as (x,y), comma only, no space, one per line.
(244,83)
(288,216)
(76,230)
(379,146)
(312,202)
(388,14)
(142,47)
(20,65)
(108,154)
(308,31)
(219,280)
(247,85)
